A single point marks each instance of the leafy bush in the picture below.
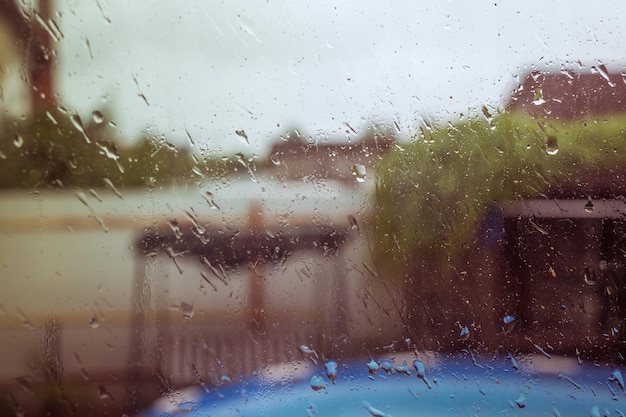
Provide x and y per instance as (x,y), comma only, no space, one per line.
(432,197)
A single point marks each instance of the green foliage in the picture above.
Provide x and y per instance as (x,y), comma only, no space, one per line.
(432,196)
(54,149)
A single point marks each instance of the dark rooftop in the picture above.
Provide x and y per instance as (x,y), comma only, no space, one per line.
(570,95)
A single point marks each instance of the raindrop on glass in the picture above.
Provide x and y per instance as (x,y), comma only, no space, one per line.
(331,370)
(538,101)
(616,376)
(175,228)
(317,383)
(589,274)
(18,141)
(521,401)
(359,172)
(372,367)
(509,323)
(308,353)
(419,368)
(464,334)
(242,134)
(187,310)
(97,117)
(93,322)
(103,394)
(386,365)
(374,411)
(552,145)
(589,207)
(78,124)
(108,184)
(353,223)
(402,369)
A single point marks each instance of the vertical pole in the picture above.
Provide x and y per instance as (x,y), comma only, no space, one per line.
(256,282)
(137,330)
(340,286)
(41,57)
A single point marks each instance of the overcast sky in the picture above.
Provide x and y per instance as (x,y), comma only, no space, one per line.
(214,67)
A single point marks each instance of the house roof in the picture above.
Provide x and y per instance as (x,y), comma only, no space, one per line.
(570,95)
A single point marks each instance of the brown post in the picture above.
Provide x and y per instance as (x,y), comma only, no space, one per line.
(256,287)
(41,56)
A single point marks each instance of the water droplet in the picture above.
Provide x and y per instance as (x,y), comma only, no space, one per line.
(95,194)
(603,265)
(191,215)
(543,351)
(192,142)
(616,376)
(486,113)
(353,223)
(374,411)
(308,353)
(568,379)
(50,27)
(103,394)
(208,196)
(589,274)
(552,145)
(386,365)
(419,368)
(225,379)
(317,383)
(83,199)
(331,370)
(175,228)
(275,159)
(187,310)
(538,101)
(219,273)
(97,117)
(513,362)
(521,401)
(78,124)
(464,333)
(18,141)
(421,372)
(359,172)
(93,322)
(51,118)
(206,279)
(241,158)
(402,369)
(589,207)
(602,70)
(509,324)
(242,134)
(372,367)
(110,151)
(108,184)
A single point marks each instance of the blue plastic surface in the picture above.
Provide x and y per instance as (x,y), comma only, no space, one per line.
(458,385)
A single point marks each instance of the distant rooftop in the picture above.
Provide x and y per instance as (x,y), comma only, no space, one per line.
(570,95)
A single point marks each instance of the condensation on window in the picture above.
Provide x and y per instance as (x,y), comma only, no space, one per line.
(339,209)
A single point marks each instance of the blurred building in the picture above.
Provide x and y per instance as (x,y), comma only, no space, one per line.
(295,158)
(28,36)
(570,95)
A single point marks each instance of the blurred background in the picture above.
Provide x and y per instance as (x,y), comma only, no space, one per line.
(193,193)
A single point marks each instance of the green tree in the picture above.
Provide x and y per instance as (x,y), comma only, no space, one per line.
(434,197)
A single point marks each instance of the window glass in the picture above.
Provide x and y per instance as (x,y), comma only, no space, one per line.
(336,208)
